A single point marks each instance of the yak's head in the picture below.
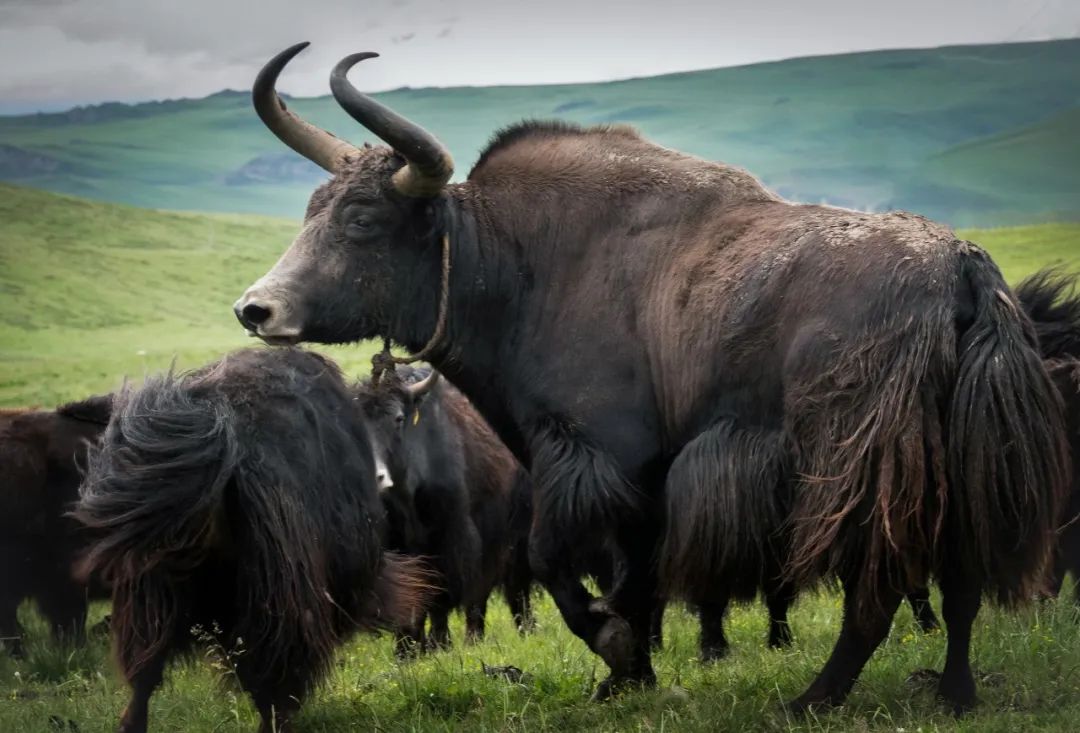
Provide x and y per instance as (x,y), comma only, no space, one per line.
(386,407)
(364,230)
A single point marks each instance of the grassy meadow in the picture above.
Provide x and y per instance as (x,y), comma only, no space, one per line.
(91,292)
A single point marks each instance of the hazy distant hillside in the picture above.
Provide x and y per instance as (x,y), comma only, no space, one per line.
(971,135)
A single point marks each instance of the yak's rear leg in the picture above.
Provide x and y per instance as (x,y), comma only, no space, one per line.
(656,625)
(779,597)
(475,616)
(14,587)
(960,601)
(924,612)
(63,603)
(518,588)
(854,647)
(439,635)
(277,705)
(409,641)
(713,643)
(143,682)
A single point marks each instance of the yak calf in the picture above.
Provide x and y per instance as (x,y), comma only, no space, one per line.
(455,495)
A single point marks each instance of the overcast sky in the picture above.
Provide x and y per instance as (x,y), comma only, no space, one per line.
(58,53)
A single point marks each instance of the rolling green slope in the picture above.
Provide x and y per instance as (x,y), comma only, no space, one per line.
(91,292)
(919,129)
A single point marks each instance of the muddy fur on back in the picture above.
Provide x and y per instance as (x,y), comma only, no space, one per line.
(240,499)
(42,453)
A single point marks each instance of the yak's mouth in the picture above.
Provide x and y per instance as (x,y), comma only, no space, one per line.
(276,339)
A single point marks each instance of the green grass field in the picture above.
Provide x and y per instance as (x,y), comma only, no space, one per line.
(90,292)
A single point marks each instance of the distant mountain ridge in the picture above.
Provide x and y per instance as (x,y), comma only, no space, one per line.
(971,135)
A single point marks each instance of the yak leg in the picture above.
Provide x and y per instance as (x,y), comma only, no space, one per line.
(960,601)
(713,643)
(623,640)
(277,704)
(924,612)
(11,632)
(13,588)
(779,595)
(519,597)
(656,626)
(586,617)
(143,683)
(409,640)
(63,602)
(475,615)
(439,636)
(857,641)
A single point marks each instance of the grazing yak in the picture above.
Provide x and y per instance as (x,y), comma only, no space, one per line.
(41,452)
(455,496)
(628,318)
(240,499)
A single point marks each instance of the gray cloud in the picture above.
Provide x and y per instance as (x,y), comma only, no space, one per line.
(55,53)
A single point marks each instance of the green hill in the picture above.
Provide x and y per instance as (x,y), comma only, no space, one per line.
(969,135)
(91,292)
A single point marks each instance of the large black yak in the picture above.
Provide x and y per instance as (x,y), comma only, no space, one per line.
(626,316)
(456,496)
(40,456)
(240,499)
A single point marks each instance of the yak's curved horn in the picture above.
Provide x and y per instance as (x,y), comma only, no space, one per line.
(430,165)
(315,144)
(425,385)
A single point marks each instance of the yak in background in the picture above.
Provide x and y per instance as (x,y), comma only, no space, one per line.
(240,499)
(628,317)
(41,456)
(456,497)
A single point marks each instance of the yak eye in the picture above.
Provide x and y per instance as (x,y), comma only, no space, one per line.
(399,419)
(359,226)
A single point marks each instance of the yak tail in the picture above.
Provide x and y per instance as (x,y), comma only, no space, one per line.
(153,490)
(1007,461)
(724,512)
(152,499)
(402,591)
(1051,301)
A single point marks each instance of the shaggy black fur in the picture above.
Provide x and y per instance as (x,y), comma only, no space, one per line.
(240,499)
(41,452)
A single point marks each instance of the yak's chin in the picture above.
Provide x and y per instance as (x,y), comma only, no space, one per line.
(289,338)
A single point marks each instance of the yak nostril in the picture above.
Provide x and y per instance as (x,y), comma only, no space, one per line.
(254,314)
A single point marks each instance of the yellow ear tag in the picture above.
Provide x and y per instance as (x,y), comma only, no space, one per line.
(416,416)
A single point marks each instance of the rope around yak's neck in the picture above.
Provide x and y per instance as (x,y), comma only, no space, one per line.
(384,360)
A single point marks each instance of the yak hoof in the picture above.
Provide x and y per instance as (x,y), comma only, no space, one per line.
(614,642)
(804,705)
(711,654)
(613,686)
